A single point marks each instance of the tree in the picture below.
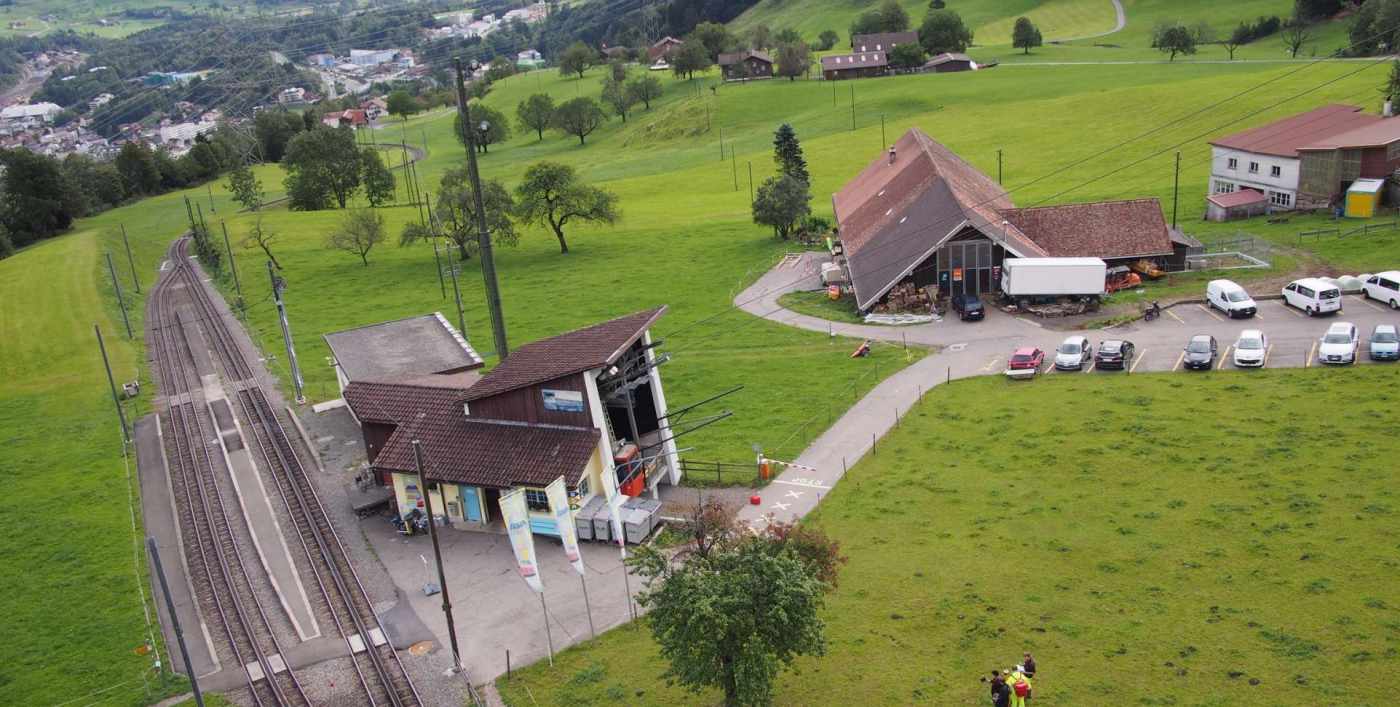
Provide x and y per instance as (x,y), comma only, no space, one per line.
(322,164)
(536,113)
(787,154)
(731,609)
(273,129)
(616,95)
(497,128)
(402,103)
(760,37)
(261,237)
(1025,35)
(1391,91)
(937,4)
(787,35)
(1176,40)
(378,180)
(95,186)
(500,67)
(794,60)
(1295,37)
(455,214)
(907,56)
(782,203)
(578,117)
(645,89)
(136,164)
(827,39)
(35,202)
(1313,10)
(617,70)
(716,37)
(552,193)
(1203,33)
(245,187)
(692,56)
(1237,39)
(890,16)
(577,59)
(359,231)
(943,31)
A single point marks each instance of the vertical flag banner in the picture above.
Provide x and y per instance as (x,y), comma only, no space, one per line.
(558,495)
(517,517)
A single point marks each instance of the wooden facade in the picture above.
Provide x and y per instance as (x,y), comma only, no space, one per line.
(528,404)
(1325,175)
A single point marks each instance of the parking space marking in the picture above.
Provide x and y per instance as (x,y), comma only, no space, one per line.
(1372,305)
(1224,357)
(1172,314)
(1307,362)
(991,365)
(1050,369)
(1037,325)
(1090,369)
(1179,358)
(1213,315)
(1137,360)
(1259,316)
(1266,356)
(1293,311)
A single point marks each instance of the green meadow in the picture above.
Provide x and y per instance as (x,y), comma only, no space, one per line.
(1184,540)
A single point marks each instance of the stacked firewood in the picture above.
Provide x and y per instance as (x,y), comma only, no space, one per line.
(905,297)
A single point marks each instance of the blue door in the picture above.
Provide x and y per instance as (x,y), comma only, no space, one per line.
(471,504)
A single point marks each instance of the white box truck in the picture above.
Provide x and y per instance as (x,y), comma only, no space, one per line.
(1030,278)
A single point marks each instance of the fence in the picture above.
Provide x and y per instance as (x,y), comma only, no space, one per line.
(700,471)
(1362,230)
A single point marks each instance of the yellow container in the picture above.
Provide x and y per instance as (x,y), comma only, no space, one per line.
(1363,197)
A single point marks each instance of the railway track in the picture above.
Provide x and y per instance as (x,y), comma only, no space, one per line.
(377,666)
(220,578)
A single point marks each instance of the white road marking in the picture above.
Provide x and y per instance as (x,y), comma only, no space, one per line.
(1090,369)
(1137,359)
(1311,352)
(779,506)
(1294,312)
(1366,301)
(954,348)
(991,365)
(1224,357)
(1179,358)
(1172,314)
(1037,325)
(1266,356)
(800,481)
(795,494)
(1213,315)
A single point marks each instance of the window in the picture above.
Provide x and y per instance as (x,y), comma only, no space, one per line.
(1280,198)
(1254,168)
(1233,163)
(1224,187)
(1275,171)
(583,487)
(536,500)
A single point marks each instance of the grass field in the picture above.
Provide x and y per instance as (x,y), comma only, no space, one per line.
(82,16)
(1145,552)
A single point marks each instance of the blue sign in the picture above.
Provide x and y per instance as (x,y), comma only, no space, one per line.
(563,400)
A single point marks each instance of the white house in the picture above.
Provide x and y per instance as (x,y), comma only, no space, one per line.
(30,114)
(1266,159)
(371,57)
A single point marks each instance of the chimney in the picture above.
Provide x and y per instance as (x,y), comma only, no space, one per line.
(891,154)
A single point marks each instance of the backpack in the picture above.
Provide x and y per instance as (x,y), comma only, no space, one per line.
(1022,688)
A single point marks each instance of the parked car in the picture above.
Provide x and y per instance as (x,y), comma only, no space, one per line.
(1025,362)
(1385,343)
(1230,298)
(1313,296)
(1200,353)
(1073,353)
(1383,287)
(968,307)
(1339,344)
(1251,349)
(1115,353)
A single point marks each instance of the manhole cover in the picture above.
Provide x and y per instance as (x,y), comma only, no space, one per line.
(420,648)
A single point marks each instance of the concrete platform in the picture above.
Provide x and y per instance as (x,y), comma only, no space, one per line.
(158,513)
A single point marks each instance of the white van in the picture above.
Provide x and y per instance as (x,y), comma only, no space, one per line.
(1383,287)
(1230,298)
(1313,295)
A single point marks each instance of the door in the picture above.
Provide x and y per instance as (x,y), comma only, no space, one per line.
(471,504)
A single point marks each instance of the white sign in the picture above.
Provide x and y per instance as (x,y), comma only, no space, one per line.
(558,495)
(517,517)
(563,400)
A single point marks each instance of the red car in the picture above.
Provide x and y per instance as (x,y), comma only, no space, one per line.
(1025,362)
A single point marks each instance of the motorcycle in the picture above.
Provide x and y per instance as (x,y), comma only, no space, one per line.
(411,524)
(1152,312)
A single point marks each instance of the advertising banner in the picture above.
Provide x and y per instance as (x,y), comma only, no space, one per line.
(517,517)
(563,514)
(615,499)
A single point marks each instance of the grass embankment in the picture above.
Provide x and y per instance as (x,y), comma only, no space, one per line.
(1143,552)
(818,304)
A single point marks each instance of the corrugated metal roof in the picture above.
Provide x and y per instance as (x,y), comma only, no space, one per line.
(1378,134)
(1283,138)
(1241,197)
(403,347)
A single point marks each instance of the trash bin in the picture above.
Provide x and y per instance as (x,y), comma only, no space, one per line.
(602,522)
(635,525)
(583,519)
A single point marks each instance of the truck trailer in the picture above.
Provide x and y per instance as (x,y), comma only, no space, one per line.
(1031,278)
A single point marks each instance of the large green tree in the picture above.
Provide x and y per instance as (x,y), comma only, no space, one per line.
(692,56)
(454,214)
(794,59)
(943,31)
(273,130)
(245,187)
(827,39)
(890,16)
(617,97)
(716,37)
(35,201)
(578,117)
(577,59)
(781,203)
(136,164)
(552,193)
(377,179)
(787,154)
(402,103)
(1176,39)
(645,89)
(322,164)
(359,231)
(535,113)
(1025,35)
(909,55)
(496,130)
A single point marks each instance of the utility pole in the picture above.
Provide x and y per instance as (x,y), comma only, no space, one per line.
(210,187)
(998,165)
(189,212)
(488,262)
(277,286)
(437,555)
(734,166)
(111,383)
(232,266)
(853,107)
(131,261)
(121,301)
(1176,188)
(175,621)
(883,144)
(457,293)
(721,143)
(750,182)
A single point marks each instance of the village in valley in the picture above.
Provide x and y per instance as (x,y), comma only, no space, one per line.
(747,352)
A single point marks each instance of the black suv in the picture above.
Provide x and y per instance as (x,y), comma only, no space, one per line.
(968,307)
(1115,353)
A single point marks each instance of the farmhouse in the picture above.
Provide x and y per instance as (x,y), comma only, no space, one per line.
(854,66)
(946,63)
(663,48)
(748,64)
(354,117)
(1306,160)
(922,215)
(882,42)
(586,405)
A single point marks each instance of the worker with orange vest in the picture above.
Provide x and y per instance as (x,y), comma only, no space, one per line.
(1020,686)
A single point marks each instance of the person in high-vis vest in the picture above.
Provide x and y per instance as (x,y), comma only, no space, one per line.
(1020,687)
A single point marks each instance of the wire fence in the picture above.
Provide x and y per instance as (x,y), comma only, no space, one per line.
(1360,230)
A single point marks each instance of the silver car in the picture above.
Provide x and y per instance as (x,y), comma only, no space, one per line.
(1073,353)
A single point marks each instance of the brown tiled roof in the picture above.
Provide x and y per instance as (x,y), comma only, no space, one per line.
(892,216)
(1101,229)
(737,57)
(491,453)
(1282,138)
(882,41)
(946,57)
(580,350)
(859,60)
(1241,197)
(399,400)
(1378,134)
